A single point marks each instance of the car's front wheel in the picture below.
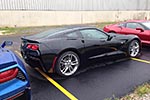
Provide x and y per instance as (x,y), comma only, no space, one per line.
(134,48)
(67,63)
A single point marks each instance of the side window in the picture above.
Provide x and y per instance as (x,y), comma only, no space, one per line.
(131,25)
(134,25)
(72,35)
(121,24)
(140,26)
(93,34)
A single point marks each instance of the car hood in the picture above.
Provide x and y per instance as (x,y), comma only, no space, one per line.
(5,56)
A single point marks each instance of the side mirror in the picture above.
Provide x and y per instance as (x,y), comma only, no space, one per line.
(6,43)
(109,38)
(142,30)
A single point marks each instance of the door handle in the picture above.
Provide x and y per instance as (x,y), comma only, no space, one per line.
(82,41)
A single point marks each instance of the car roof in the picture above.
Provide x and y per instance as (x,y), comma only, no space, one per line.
(69,28)
(74,27)
(138,21)
(57,31)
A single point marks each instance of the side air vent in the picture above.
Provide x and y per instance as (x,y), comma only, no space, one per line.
(21,76)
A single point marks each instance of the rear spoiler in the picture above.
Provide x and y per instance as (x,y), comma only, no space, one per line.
(28,40)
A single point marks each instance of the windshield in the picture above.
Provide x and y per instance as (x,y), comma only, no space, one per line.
(46,33)
(147,24)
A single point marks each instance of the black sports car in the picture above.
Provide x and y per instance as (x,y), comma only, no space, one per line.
(63,49)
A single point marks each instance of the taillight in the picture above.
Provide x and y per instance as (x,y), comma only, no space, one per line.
(33,46)
(8,75)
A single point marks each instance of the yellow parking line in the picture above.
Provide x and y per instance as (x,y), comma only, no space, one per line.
(140,60)
(63,90)
(68,94)
(18,53)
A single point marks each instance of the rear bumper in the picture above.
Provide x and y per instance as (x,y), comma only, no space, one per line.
(15,89)
(44,62)
(105,29)
(25,95)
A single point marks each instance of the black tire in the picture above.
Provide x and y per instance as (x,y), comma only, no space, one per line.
(133,49)
(67,64)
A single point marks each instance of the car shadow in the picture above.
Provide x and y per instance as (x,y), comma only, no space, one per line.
(84,68)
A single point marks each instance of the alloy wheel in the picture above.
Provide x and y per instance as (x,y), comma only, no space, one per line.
(69,64)
(134,48)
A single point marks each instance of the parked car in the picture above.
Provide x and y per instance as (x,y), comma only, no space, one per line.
(62,50)
(141,28)
(14,82)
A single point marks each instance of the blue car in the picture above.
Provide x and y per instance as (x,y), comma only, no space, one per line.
(14,81)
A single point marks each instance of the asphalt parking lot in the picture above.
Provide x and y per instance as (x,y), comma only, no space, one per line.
(96,82)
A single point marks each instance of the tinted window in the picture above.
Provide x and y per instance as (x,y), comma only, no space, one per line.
(134,25)
(72,34)
(93,34)
(122,24)
(47,33)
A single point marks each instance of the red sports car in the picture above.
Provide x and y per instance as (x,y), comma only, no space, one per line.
(140,28)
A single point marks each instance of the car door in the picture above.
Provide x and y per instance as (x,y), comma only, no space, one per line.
(145,36)
(130,28)
(74,40)
(96,43)
(146,33)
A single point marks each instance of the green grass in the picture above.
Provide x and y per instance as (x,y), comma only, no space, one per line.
(112,98)
(144,89)
(140,91)
(7,30)
(16,30)
(26,30)
(101,25)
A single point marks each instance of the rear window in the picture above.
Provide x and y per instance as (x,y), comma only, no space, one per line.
(47,33)
(121,24)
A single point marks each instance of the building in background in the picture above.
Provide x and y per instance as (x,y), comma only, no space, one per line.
(75,5)
(60,12)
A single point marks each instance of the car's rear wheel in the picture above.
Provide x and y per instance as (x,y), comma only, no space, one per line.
(134,48)
(67,63)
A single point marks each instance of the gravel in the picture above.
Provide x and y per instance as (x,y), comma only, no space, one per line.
(136,97)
